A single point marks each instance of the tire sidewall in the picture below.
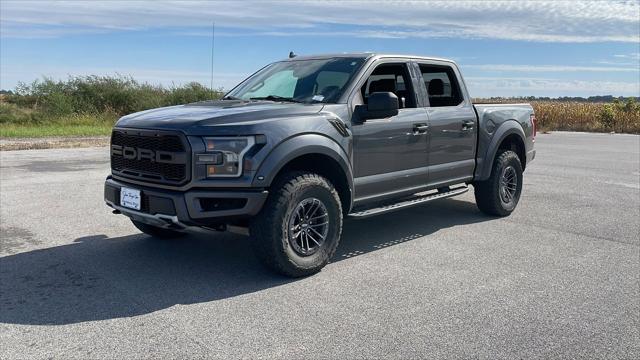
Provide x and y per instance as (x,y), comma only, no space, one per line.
(322,256)
(510,160)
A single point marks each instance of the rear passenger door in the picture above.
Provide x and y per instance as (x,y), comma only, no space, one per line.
(452,124)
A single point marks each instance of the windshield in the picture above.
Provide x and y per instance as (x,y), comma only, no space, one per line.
(307,81)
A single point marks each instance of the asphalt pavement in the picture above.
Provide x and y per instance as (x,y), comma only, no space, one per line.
(558,278)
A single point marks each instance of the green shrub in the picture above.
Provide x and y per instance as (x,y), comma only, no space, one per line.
(607,116)
(57,104)
(81,103)
(13,114)
(191,92)
(620,115)
(96,94)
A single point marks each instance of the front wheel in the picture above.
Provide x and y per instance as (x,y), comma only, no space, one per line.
(500,193)
(298,230)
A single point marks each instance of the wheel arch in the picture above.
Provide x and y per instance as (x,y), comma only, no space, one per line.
(509,135)
(314,153)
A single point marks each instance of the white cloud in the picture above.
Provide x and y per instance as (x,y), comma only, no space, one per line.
(618,63)
(624,60)
(544,21)
(504,86)
(550,68)
(631,56)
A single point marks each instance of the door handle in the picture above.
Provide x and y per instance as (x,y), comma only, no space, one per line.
(468,125)
(419,129)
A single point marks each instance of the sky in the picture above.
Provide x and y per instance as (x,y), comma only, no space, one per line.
(504,48)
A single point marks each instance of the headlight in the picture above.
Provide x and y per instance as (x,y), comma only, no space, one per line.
(225,154)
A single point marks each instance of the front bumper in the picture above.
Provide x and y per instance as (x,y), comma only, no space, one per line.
(181,209)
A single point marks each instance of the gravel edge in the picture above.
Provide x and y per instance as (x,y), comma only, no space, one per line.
(9,144)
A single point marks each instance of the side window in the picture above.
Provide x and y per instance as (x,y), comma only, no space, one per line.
(442,85)
(391,78)
(377,79)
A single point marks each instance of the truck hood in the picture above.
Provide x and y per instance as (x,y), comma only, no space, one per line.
(215,113)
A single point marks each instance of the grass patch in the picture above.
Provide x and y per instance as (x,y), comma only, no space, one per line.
(36,131)
(20,123)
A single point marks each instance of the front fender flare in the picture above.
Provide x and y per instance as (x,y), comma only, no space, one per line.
(485,161)
(295,147)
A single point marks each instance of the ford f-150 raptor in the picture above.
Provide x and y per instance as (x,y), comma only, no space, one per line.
(307,142)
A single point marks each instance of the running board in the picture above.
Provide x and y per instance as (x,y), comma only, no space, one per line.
(416,200)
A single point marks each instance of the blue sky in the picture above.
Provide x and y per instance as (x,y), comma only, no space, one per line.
(505,48)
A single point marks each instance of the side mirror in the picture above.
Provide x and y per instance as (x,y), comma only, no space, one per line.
(379,106)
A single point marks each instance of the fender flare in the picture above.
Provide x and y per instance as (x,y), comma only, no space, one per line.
(485,163)
(297,146)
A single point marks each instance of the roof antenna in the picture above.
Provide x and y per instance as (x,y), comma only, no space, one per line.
(292,55)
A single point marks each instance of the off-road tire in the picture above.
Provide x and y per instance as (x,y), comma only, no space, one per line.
(157,232)
(488,192)
(269,231)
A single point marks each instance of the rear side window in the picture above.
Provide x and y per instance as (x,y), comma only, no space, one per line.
(442,86)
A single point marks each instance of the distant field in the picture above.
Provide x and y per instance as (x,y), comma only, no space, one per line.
(618,116)
(90,105)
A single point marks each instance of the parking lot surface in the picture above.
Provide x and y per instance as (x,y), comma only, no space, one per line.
(560,277)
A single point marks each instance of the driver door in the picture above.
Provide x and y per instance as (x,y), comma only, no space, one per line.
(390,154)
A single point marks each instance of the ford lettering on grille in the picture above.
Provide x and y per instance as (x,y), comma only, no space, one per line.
(150,156)
(131,153)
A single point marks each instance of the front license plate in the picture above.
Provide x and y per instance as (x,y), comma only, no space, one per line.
(130,198)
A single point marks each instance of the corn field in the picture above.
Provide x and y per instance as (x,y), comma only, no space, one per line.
(617,116)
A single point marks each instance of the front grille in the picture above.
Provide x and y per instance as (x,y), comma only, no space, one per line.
(154,156)
(148,169)
(151,141)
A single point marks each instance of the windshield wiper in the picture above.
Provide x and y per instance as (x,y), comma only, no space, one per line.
(276,98)
(229,97)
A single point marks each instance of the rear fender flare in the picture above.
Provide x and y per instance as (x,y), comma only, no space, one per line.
(485,163)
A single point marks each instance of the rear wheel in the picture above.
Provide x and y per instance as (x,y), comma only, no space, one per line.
(298,230)
(157,232)
(499,195)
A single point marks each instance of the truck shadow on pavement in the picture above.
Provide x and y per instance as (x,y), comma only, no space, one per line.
(99,278)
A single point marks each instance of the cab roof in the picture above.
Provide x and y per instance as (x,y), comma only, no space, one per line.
(364,55)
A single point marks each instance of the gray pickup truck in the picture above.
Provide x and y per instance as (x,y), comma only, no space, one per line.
(307,142)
